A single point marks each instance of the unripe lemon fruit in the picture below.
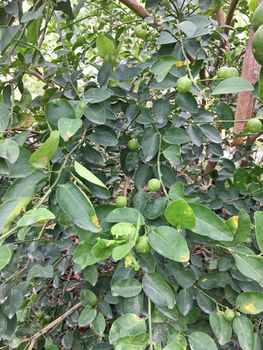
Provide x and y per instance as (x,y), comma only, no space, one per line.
(154,185)
(121,201)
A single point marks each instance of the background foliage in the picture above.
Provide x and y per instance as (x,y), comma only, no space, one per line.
(77,83)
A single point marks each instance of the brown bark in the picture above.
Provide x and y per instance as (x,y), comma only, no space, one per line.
(246,101)
(139,10)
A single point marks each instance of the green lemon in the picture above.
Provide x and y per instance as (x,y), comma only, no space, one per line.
(142,246)
(133,144)
(254,125)
(184,84)
(121,201)
(229,314)
(232,223)
(257,19)
(227,72)
(257,45)
(141,32)
(154,185)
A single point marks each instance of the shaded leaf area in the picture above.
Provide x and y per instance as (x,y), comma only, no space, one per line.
(113,234)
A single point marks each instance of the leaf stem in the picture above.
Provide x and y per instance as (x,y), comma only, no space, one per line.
(150,323)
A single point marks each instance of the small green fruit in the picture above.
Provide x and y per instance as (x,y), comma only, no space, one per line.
(47,319)
(154,185)
(184,84)
(121,201)
(141,32)
(227,72)
(133,144)
(254,125)
(229,314)
(142,246)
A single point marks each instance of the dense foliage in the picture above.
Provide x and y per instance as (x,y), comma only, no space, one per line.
(114,234)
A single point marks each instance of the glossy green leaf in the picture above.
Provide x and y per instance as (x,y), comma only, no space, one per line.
(162,66)
(77,207)
(243,328)
(176,136)
(96,95)
(209,224)
(68,127)
(184,301)
(104,136)
(232,86)
(42,156)
(105,45)
(34,216)
(57,109)
(221,327)
(250,302)
(126,325)
(244,228)
(103,248)
(87,175)
(248,263)
(179,213)
(5,256)
(83,255)
(201,341)
(38,271)
(259,228)
(169,243)
(150,144)
(158,290)
(9,150)
(86,317)
(4,116)
(88,298)
(126,288)
(122,250)
(139,342)
(129,215)
(99,324)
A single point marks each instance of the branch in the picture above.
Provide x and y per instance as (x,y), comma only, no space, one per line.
(139,10)
(52,325)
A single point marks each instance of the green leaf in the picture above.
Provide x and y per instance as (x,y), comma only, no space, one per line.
(40,272)
(104,136)
(201,341)
(172,153)
(139,342)
(57,109)
(31,15)
(250,302)
(126,325)
(248,263)
(86,317)
(221,327)
(150,144)
(180,214)
(244,330)
(105,45)
(5,256)
(209,224)
(169,243)
(13,302)
(259,228)
(96,95)
(158,290)
(99,324)
(33,216)
(232,86)
(83,255)
(77,207)
(211,133)
(244,228)
(122,250)
(10,209)
(184,301)
(126,288)
(88,298)
(87,175)
(9,150)
(68,127)
(4,116)
(7,35)
(129,215)
(162,66)
(187,27)
(42,156)
(51,346)
(176,136)
(3,324)
(96,113)
(103,248)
